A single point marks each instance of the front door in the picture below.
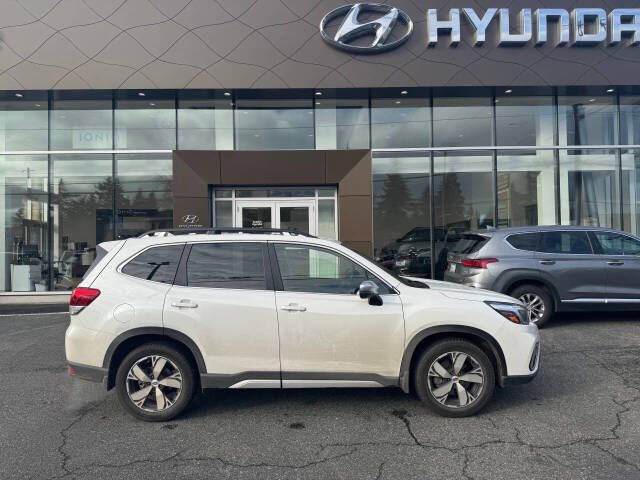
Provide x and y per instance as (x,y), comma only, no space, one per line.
(329,336)
(287,214)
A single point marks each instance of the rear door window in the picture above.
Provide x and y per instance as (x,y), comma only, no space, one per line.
(157,264)
(576,243)
(468,243)
(227,265)
(524,241)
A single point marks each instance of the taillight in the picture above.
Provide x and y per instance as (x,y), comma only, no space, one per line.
(80,298)
(478,262)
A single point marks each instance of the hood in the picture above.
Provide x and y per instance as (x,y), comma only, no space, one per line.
(461,292)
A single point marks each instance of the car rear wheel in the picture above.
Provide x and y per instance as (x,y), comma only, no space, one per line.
(538,302)
(155,382)
(454,377)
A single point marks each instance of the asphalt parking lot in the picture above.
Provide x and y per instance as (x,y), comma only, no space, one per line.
(580,418)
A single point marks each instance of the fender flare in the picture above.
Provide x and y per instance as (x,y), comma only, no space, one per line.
(160,331)
(409,351)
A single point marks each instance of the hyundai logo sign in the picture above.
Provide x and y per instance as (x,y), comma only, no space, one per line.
(381,27)
(580,26)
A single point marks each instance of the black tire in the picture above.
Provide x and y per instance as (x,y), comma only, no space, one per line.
(524,291)
(177,361)
(425,384)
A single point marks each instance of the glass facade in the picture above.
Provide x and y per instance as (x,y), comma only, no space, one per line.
(81,167)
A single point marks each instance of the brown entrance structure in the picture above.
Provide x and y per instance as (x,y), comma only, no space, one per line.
(196,171)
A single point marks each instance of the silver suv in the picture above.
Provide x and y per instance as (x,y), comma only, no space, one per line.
(550,269)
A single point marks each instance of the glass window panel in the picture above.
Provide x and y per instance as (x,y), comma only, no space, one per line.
(401,214)
(589,188)
(327,219)
(145,122)
(587,120)
(82,200)
(341,123)
(463,199)
(307,269)
(524,120)
(526,188)
(400,118)
(631,190)
(144,193)
(224,214)
(24,121)
(158,264)
(82,121)
(629,120)
(462,121)
(204,122)
(274,124)
(223,193)
(327,192)
(23,223)
(230,265)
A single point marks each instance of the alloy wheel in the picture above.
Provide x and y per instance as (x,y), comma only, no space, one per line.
(455,379)
(154,383)
(535,306)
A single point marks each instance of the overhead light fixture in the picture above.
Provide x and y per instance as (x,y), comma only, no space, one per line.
(142,94)
(318,103)
(497,100)
(318,93)
(592,99)
(398,102)
(611,90)
(227,94)
(508,91)
(404,92)
(19,95)
(152,104)
(37,104)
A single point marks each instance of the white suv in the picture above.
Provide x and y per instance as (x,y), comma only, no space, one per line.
(160,316)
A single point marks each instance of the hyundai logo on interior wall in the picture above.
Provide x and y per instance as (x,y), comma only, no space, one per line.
(582,26)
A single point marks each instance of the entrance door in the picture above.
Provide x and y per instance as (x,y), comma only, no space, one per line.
(287,214)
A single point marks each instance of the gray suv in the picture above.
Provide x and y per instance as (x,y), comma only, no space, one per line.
(550,269)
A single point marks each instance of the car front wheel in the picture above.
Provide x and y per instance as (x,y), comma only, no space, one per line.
(538,302)
(155,382)
(454,377)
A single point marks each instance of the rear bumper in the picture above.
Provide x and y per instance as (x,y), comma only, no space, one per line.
(88,372)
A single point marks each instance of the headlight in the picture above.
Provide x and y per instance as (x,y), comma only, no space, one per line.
(512,312)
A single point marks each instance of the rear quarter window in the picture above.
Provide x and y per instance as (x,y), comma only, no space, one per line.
(524,241)
(157,264)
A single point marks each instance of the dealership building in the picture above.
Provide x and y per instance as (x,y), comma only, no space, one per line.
(391,128)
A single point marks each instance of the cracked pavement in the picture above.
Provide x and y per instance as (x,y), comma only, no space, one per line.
(580,418)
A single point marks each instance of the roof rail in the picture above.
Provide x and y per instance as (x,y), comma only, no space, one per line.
(221,230)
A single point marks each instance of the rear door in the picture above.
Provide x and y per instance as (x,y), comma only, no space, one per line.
(567,259)
(224,301)
(620,255)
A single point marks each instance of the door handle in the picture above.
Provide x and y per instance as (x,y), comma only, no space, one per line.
(547,262)
(615,263)
(184,304)
(293,307)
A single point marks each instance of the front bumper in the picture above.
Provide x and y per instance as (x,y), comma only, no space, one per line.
(88,372)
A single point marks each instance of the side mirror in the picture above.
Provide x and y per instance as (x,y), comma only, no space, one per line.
(369,290)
